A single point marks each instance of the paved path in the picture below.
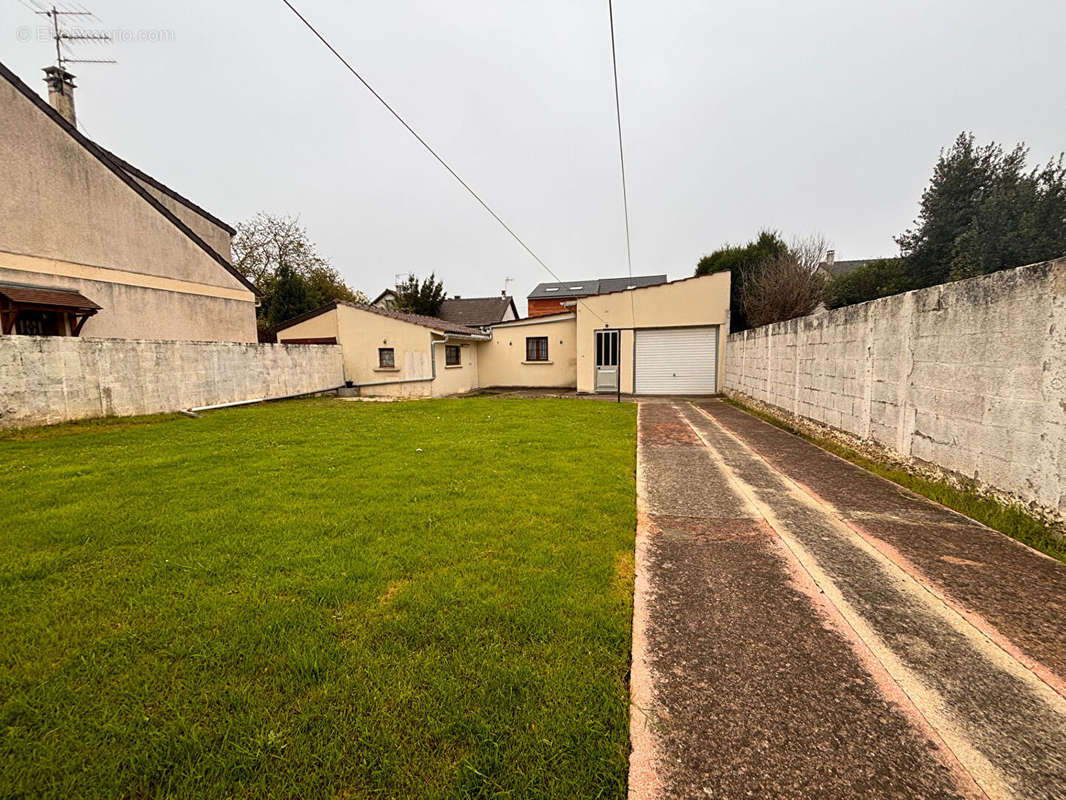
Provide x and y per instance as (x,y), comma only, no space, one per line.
(806,629)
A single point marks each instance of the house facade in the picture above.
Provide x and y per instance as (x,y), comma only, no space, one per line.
(91,246)
(665,338)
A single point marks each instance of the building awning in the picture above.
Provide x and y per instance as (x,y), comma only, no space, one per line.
(29,301)
(42,297)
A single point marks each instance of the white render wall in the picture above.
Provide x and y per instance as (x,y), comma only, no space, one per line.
(967,376)
(48,379)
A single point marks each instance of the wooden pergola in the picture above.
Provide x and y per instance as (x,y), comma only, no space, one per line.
(69,308)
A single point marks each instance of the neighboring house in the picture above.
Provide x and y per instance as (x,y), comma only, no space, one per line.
(386,300)
(667,338)
(832,268)
(551,298)
(391,353)
(478,312)
(92,246)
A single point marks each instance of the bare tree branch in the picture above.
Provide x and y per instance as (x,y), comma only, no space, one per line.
(786,286)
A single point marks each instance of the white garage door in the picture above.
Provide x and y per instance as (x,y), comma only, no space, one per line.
(677,361)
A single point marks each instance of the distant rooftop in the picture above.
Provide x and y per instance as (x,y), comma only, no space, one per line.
(594,286)
(476,311)
(836,267)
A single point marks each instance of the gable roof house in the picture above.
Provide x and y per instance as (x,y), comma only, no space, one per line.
(92,246)
(391,353)
(551,298)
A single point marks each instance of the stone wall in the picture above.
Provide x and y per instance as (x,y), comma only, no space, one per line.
(48,379)
(969,377)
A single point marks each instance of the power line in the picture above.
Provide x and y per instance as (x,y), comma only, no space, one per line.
(426,145)
(622,163)
(621,152)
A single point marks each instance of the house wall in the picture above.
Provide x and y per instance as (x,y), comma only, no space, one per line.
(130,311)
(49,379)
(968,377)
(319,327)
(66,216)
(219,238)
(456,380)
(695,301)
(501,362)
(361,333)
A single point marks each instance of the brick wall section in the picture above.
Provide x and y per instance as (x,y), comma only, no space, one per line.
(967,376)
(551,305)
(44,380)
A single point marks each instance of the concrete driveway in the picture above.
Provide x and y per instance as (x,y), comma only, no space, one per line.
(805,629)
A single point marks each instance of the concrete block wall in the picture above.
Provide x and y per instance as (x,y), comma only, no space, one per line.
(969,377)
(48,379)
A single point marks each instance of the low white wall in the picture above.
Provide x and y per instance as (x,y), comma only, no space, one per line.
(967,376)
(47,379)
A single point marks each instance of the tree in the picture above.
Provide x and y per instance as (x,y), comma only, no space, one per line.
(289,297)
(983,212)
(874,279)
(277,255)
(786,285)
(741,261)
(420,297)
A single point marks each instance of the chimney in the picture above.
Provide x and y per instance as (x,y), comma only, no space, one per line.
(61,92)
(830,257)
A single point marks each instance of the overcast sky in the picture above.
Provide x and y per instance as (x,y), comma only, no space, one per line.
(807,117)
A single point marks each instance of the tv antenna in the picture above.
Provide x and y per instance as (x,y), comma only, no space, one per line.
(63,37)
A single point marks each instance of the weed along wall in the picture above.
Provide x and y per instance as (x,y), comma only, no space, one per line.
(58,378)
(968,376)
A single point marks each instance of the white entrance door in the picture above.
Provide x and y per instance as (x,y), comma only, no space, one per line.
(607,343)
(677,360)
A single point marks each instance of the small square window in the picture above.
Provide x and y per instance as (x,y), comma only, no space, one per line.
(536,348)
(386,358)
(452,355)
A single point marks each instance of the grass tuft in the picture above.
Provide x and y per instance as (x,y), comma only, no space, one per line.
(1011,519)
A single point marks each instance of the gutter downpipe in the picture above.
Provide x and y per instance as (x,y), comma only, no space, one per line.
(265,399)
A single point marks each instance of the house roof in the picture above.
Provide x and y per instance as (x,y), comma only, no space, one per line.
(537,320)
(477,311)
(46,296)
(105,158)
(838,268)
(433,323)
(594,286)
(189,204)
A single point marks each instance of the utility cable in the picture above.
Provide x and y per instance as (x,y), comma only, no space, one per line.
(426,145)
(622,163)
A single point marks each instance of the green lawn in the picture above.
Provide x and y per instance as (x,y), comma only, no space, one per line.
(320,599)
